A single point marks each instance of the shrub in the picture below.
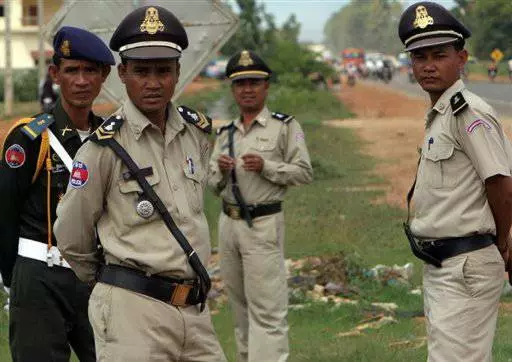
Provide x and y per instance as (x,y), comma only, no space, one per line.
(25,84)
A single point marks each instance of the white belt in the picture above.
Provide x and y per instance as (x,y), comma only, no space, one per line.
(38,251)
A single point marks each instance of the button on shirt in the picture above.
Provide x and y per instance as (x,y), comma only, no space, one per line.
(283,148)
(108,201)
(457,155)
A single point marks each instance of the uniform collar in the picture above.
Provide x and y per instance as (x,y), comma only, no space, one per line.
(443,103)
(139,122)
(64,126)
(261,118)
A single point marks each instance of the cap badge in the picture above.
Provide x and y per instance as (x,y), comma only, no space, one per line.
(65,48)
(422,18)
(151,23)
(245,59)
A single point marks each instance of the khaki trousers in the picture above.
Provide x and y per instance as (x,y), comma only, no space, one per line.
(133,327)
(253,270)
(461,305)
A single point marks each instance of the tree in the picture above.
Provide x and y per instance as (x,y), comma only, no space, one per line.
(365,24)
(289,60)
(489,22)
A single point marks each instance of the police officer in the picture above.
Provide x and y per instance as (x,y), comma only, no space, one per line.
(255,158)
(139,184)
(462,193)
(48,310)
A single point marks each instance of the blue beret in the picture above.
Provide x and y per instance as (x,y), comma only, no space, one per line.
(426,24)
(76,43)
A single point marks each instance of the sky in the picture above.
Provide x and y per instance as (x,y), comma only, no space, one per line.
(313,14)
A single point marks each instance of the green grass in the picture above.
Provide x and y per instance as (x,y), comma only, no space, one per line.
(335,214)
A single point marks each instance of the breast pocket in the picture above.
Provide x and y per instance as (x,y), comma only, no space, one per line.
(439,170)
(195,178)
(264,146)
(131,195)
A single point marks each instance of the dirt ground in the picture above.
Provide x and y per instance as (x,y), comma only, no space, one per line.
(391,124)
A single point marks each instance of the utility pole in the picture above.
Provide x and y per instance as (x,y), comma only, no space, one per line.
(42,58)
(8,83)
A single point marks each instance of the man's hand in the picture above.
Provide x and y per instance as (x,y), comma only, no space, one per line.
(226,163)
(504,249)
(253,162)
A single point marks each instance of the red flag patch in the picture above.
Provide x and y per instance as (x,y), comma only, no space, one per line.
(79,175)
(15,156)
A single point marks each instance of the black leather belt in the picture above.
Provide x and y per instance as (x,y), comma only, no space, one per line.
(442,249)
(178,292)
(234,211)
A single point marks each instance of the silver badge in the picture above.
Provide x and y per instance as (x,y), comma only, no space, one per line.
(145,209)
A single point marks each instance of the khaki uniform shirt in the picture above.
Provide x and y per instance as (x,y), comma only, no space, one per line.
(107,202)
(457,155)
(286,159)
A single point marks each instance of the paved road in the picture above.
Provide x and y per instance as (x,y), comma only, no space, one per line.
(499,95)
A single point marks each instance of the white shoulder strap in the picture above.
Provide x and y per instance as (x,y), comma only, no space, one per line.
(60,150)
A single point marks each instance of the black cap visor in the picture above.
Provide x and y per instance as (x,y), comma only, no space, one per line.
(151,52)
(431,42)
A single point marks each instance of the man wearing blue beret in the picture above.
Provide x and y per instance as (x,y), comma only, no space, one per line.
(48,310)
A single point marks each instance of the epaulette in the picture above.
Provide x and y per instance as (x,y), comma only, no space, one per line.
(198,119)
(224,128)
(36,126)
(282,117)
(107,129)
(458,103)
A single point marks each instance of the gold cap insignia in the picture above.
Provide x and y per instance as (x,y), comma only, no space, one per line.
(151,23)
(65,48)
(245,59)
(422,18)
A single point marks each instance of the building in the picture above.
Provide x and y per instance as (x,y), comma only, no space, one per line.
(25,32)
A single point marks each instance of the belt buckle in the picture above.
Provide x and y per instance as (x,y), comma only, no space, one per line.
(234,212)
(180,294)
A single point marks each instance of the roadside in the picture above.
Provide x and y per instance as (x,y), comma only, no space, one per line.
(391,125)
(390,122)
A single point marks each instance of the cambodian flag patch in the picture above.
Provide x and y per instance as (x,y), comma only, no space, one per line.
(79,175)
(475,124)
(15,156)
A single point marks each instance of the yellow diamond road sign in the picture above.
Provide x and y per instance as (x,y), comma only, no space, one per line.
(496,55)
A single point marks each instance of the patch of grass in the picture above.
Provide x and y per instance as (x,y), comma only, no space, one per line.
(203,100)
(308,106)
(331,216)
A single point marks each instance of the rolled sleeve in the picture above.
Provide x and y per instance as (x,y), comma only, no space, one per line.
(79,211)
(216,179)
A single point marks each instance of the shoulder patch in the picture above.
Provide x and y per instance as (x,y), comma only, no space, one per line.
(458,103)
(198,119)
(36,126)
(224,128)
(107,129)
(282,117)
